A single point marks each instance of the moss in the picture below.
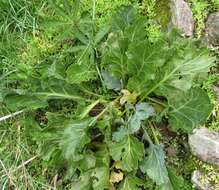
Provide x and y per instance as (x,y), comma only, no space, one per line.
(163,13)
(200,10)
(105,8)
(210,172)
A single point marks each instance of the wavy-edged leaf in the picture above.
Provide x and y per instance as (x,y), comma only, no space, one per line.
(175,182)
(30,101)
(130,150)
(115,58)
(101,178)
(17,98)
(56,90)
(131,183)
(182,69)
(154,165)
(142,112)
(136,31)
(74,138)
(57,70)
(121,133)
(188,110)
(83,183)
(77,74)
(144,59)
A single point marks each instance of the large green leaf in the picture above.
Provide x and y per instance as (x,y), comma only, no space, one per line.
(175,182)
(101,33)
(16,98)
(181,69)
(154,165)
(56,90)
(18,101)
(69,138)
(80,73)
(161,67)
(87,162)
(121,133)
(74,139)
(114,56)
(83,183)
(130,150)
(188,110)
(101,178)
(144,59)
(131,183)
(136,31)
(96,177)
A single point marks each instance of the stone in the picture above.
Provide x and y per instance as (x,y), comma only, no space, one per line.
(200,182)
(182,16)
(212,29)
(216,91)
(205,145)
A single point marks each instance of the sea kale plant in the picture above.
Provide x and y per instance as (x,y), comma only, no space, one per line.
(94,103)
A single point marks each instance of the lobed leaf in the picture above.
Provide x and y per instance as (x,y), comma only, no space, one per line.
(190,109)
(143,111)
(130,150)
(131,183)
(154,165)
(77,74)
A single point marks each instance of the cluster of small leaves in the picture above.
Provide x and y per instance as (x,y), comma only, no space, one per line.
(118,83)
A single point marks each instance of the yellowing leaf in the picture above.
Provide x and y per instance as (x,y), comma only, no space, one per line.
(116,177)
(128,97)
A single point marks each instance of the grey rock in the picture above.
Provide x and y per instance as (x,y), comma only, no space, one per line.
(212,29)
(216,91)
(205,145)
(182,16)
(199,181)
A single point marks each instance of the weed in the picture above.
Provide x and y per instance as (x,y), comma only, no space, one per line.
(93,84)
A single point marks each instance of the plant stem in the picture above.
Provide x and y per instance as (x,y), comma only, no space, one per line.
(103,111)
(85,90)
(156,101)
(154,134)
(94,10)
(89,108)
(62,96)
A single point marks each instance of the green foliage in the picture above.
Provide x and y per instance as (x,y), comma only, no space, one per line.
(130,183)
(186,112)
(150,9)
(129,150)
(18,16)
(210,85)
(154,165)
(99,88)
(200,10)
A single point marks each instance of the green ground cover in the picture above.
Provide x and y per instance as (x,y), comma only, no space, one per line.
(87,123)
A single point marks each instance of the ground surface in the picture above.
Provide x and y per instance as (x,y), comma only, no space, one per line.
(21,165)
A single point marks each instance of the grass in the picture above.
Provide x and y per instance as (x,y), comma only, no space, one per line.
(23,44)
(201,9)
(20,165)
